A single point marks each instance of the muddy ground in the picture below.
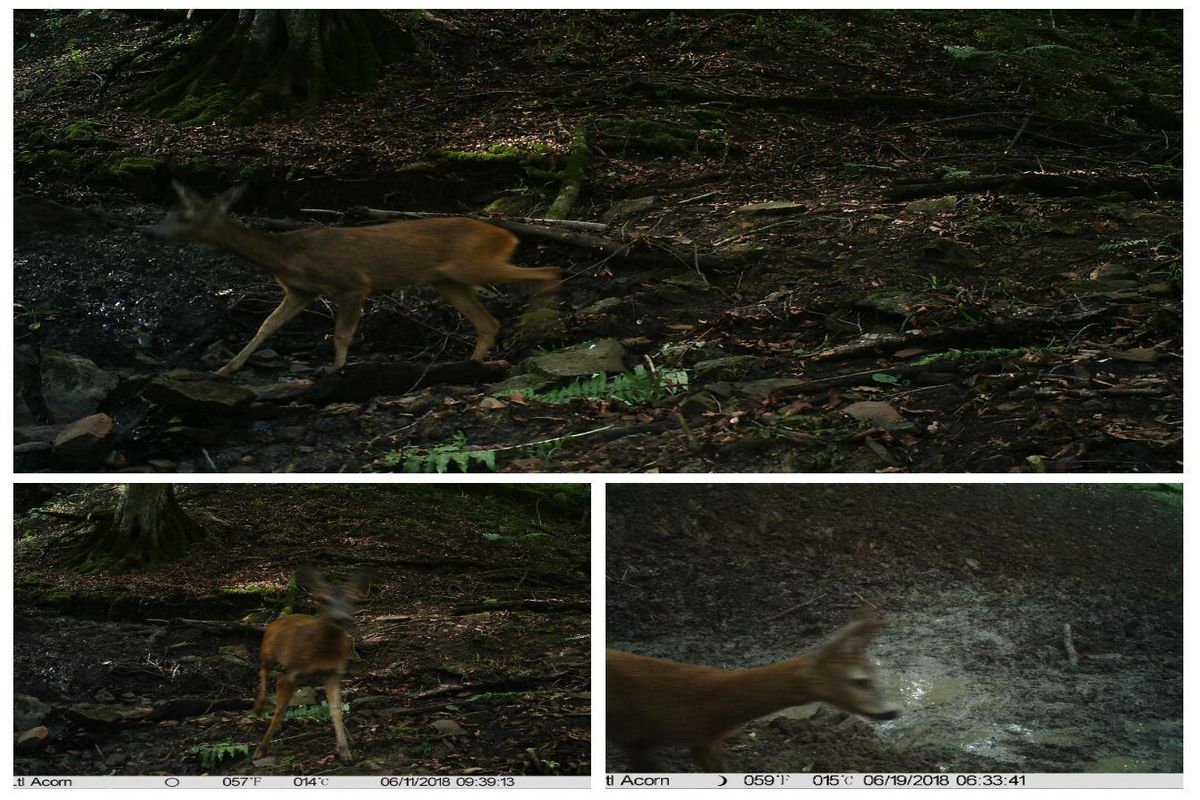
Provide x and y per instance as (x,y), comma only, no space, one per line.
(472,645)
(974,582)
(1035,321)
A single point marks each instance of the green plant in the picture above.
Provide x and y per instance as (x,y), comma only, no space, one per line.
(317,713)
(211,755)
(439,457)
(639,386)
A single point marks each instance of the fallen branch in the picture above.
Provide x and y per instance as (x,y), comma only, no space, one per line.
(573,168)
(879,343)
(362,381)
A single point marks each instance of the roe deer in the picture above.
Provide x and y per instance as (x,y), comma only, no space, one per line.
(306,647)
(653,702)
(451,254)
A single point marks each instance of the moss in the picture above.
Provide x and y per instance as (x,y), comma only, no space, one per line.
(199,106)
(650,135)
(83,129)
(133,166)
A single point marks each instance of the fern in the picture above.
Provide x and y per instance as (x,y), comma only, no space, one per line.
(439,457)
(211,755)
(639,386)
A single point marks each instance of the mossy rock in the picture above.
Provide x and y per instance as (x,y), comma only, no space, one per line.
(141,175)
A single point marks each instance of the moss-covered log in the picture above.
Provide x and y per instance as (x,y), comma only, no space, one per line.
(250,62)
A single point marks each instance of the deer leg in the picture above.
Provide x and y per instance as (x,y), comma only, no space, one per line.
(463,299)
(261,699)
(283,696)
(349,312)
(710,757)
(292,304)
(333,695)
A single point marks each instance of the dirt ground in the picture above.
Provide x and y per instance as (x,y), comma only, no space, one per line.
(974,583)
(472,645)
(1057,313)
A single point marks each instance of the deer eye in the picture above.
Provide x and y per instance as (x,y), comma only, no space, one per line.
(861,683)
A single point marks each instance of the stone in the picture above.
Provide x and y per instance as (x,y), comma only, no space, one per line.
(879,414)
(1138,355)
(448,727)
(727,368)
(32,740)
(931,205)
(763,389)
(28,711)
(604,355)
(94,717)
(216,397)
(84,441)
(72,386)
(36,433)
(627,209)
(31,447)
(604,305)
(772,208)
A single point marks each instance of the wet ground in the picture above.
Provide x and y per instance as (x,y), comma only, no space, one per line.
(471,648)
(974,583)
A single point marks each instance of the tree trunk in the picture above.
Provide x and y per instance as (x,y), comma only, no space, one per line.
(147,527)
(250,62)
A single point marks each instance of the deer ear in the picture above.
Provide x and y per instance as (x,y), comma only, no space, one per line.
(185,194)
(228,198)
(853,638)
(358,583)
(310,579)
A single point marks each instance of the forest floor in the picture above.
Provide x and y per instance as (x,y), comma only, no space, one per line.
(471,646)
(974,584)
(974,263)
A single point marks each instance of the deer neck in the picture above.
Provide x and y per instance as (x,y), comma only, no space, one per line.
(263,249)
(748,694)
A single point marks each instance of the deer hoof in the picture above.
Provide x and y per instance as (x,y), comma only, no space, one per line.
(345,756)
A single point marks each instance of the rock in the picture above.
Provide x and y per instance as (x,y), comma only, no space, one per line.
(32,740)
(522,384)
(604,305)
(949,253)
(115,759)
(288,390)
(626,209)
(1138,355)
(1117,272)
(72,386)
(31,447)
(728,368)
(36,433)
(604,355)
(304,696)
(771,208)
(28,711)
(94,717)
(448,727)
(896,303)
(763,389)
(931,205)
(879,414)
(84,441)
(236,653)
(214,397)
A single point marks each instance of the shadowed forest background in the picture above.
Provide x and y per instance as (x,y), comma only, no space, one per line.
(471,645)
(821,241)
